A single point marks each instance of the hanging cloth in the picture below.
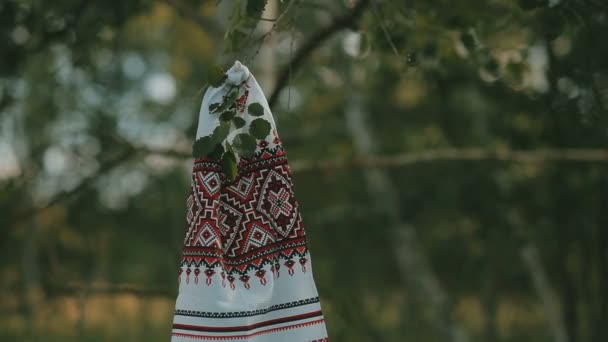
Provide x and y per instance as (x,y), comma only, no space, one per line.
(245,272)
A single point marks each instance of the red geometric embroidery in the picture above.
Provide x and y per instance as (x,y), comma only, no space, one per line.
(244,224)
(277,202)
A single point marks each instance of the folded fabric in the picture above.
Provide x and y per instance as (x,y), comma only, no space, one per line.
(245,272)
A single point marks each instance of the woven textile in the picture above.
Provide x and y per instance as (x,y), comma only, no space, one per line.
(245,272)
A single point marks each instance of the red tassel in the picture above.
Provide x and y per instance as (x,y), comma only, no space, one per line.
(303,261)
(261,274)
(197,271)
(289,263)
(245,279)
(188,271)
(231,280)
(209,273)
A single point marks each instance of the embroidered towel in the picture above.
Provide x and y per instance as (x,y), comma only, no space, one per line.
(245,272)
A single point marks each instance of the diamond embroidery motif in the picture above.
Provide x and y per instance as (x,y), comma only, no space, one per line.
(211,181)
(243,186)
(229,223)
(278,204)
(206,237)
(257,238)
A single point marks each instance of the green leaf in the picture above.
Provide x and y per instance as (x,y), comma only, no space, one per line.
(228,165)
(220,133)
(255,8)
(227,115)
(259,128)
(213,107)
(238,122)
(245,144)
(255,109)
(223,107)
(228,100)
(217,153)
(202,147)
(232,95)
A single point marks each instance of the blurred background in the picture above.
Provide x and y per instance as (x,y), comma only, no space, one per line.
(450,159)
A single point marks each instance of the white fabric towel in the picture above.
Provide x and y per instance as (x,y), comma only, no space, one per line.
(245,273)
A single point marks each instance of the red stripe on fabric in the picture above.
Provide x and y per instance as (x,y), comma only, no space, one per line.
(234,337)
(247,327)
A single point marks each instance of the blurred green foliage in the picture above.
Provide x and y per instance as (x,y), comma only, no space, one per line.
(99,103)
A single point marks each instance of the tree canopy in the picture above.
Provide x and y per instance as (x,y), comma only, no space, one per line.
(450,157)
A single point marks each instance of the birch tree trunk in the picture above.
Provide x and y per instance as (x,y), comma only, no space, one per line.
(413,264)
(549,299)
(267,60)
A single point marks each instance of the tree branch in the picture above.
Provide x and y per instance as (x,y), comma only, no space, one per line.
(452,154)
(448,154)
(362,162)
(104,168)
(338,24)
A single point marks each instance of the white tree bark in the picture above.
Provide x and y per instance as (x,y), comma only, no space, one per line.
(551,304)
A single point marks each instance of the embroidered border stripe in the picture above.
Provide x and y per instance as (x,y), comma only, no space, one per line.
(248,327)
(235,314)
(267,249)
(235,337)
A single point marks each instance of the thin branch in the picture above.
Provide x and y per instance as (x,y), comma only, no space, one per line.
(261,39)
(267,19)
(363,162)
(312,44)
(387,35)
(85,183)
(448,154)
